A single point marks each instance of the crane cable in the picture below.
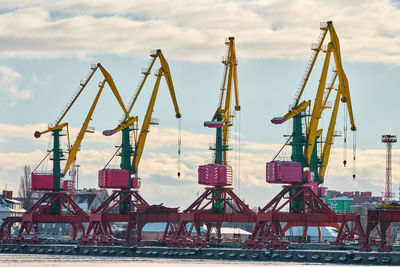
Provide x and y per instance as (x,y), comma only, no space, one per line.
(179,146)
(354,153)
(236,148)
(49,150)
(345,137)
(238,170)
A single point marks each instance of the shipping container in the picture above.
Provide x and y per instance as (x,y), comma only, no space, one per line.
(283,172)
(114,178)
(215,174)
(42,181)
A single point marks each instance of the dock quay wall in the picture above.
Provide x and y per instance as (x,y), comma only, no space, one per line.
(289,255)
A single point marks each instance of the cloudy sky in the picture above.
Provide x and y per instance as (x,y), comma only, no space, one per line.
(47,47)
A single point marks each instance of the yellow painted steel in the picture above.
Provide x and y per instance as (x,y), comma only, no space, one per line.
(58,127)
(163,71)
(343,82)
(73,150)
(111,83)
(230,77)
(128,120)
(146,122)
(317,111)
(84,129)
(83,86)
(140,139)
(342,93)
(309,70)
(388,206)
(146,73)
(329,139)
(126,124)
(298,109)
(320,101)
(167,75)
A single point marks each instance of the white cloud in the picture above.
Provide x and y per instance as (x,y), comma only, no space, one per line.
(8,84)
(193,30)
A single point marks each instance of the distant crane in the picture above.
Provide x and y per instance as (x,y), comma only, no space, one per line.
(304,174)
(218,203)
(132,153)
(387,139)
(56,205)
(125,179)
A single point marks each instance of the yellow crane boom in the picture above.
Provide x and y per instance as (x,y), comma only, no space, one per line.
(320,101)
(128,120)
(223,112)
(73,150)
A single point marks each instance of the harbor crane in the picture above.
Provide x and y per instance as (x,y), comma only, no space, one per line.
(218,203)
(304,142)
(126,180)
(304,174)
(56,204)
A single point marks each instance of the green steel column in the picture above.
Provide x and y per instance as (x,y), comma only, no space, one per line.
(126,153)
(219,149)
(219,159)
(217,205)
(298,143)
(57,155)
(298,140)
(315,163)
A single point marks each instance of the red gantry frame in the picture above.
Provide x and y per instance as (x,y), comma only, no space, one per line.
(273,221)
(203,212)
(99,231)
(69,212)
(380,220)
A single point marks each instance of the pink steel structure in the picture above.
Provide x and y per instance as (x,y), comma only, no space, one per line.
(388,140)
(273,221)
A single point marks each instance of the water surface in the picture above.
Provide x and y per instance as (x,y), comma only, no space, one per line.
(42,260)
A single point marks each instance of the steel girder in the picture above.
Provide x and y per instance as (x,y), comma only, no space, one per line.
(273,221)
(201,212)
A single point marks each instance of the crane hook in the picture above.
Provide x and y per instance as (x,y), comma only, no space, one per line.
(179,145)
